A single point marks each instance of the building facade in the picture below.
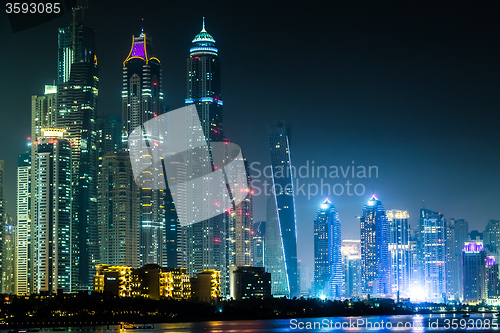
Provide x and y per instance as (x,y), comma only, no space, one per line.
(142,98)
(53,215)
(328,273)
(433,254)
(351,261)
(474,273)
(23,270)
(258,243)
(281,244)
(375,256)
(400,252)
(250,282)
(456,235)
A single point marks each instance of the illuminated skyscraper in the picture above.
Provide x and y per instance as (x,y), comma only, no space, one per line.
(375,256)
(2,217)
(474,273)
(77,101)
(281,245)
(23,233)
(8,255)
(52,219)
(456,235)
(351,261)
(433,251)
(400,252)
(142,101)
(492,278)
(75,44)
(328,273)
(258,243)
(119,211)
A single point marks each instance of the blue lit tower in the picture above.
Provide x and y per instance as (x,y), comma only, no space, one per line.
(375,258)
(204,84)
(77,113)
(281,220)
(142,101)
(474,273)
(432,231)
(328,272)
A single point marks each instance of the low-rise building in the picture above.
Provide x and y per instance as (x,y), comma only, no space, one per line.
(249,282)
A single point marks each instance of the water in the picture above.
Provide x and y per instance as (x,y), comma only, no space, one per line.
(403,323)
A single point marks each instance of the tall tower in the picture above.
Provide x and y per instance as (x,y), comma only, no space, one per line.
(457,232)
(400,252)
(52,219)
(23,230)
(281,214)
(328,273)
(375,259)
(433,251)
(141,101)
(77,101)
(118,211)
(3,217)
(204,84)
(474,273)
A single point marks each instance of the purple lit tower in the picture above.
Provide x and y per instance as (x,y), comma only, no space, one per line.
(474,272)
(141,101)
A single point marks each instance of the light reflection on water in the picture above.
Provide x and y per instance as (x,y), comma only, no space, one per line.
(408,323)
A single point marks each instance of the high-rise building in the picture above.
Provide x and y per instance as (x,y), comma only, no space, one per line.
(456,235)
(328,273)
(119,212)
(281,220)
(222,241)
(23,231)
(433,253)
(400,252)
(2,216)
(8,255)
(492,237)
(351,261)
(52,218)
(77,93)
(474,273)
(142,101)
(375,257)
(75,44)
(492,278)
(258,243)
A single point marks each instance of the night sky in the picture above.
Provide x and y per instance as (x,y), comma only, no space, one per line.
(411,89)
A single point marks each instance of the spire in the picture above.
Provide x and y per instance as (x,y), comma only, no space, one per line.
(142,24)
(203,29)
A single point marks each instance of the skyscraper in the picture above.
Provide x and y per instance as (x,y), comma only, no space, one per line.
(433,251)
(52,219)
(75,44)
(474,273)
(351,261)
(375,257)
(456,235)
(2,216)
(492,237)
(142,101)
(119,211)
(221,241)
(328,273)
(8,255)
(77,93)
(400,252)
(281,220)
(492,278)
(204,84)
(258,243)
(24,220)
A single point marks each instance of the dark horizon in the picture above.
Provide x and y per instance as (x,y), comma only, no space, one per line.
(409,88)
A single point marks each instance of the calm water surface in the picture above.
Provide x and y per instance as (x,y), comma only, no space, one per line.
(414,323)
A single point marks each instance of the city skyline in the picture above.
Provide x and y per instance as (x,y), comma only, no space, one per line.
(385,185)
